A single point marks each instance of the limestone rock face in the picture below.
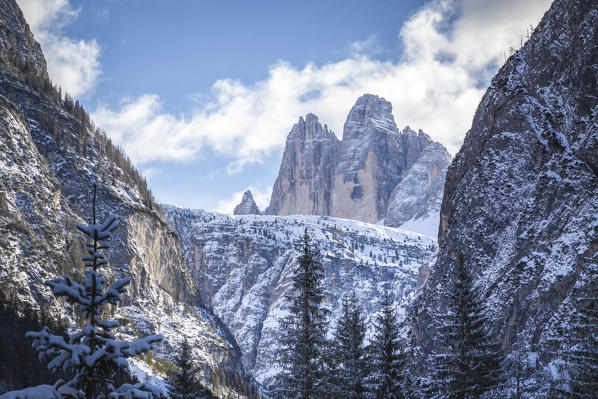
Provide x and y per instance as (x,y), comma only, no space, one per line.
(521,196)
(353,178)
(374,158)
(305,178)
(247,206)
(417,198)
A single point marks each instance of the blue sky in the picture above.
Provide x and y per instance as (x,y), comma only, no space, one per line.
(202,94)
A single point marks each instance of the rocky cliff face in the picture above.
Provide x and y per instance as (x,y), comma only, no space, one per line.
(374,157)
(243,266)
(49,157)
(353,178)
(415,202)
(16,40)
(247,206)
(521,197)
(304,182)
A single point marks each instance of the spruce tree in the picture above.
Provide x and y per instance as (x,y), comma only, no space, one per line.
(182,382)
(468,362)
(387,355)
(349,351)
(303,342)
(92,355)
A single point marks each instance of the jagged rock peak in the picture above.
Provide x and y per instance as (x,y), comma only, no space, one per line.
(369,111)
(310,128)
(16,39)
(374,158)
(353,178)
(247,206)
(305,178)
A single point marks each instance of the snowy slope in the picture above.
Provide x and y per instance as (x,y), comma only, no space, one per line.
(242,266)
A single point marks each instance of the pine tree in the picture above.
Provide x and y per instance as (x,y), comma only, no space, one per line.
(304,330)
(468,363)
(387,355)
(183,383)
(91,354)
(349,351)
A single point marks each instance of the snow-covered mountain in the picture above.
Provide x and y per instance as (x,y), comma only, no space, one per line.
(355,177)
(49,155)
(521,196)
(242,266)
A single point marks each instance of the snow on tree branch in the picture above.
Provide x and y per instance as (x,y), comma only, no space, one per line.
(92,354)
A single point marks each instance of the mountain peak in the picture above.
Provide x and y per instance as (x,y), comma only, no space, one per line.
(305,177)
(247,206)
(353,178)
(309,127)
(369,114)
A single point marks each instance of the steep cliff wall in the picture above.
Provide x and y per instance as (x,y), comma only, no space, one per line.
(521,196)
(374,158)
(415,202)
(304,182)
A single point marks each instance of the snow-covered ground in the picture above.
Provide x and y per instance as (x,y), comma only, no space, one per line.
(243,267)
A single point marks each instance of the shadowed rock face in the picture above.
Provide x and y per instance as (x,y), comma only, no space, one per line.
(353,178)
(247,206)
(304,182)
(521,196)
(16,38)
(419,194)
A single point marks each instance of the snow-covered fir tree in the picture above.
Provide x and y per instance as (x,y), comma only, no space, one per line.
(303,343)
(92,355)
(387,355)
(348,351)
(468,365)
(182,381)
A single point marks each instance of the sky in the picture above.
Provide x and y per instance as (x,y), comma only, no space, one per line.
(202,94)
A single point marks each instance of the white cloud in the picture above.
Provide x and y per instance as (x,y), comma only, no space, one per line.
(261,198)
(369,46)
(435,85)
(72,64)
